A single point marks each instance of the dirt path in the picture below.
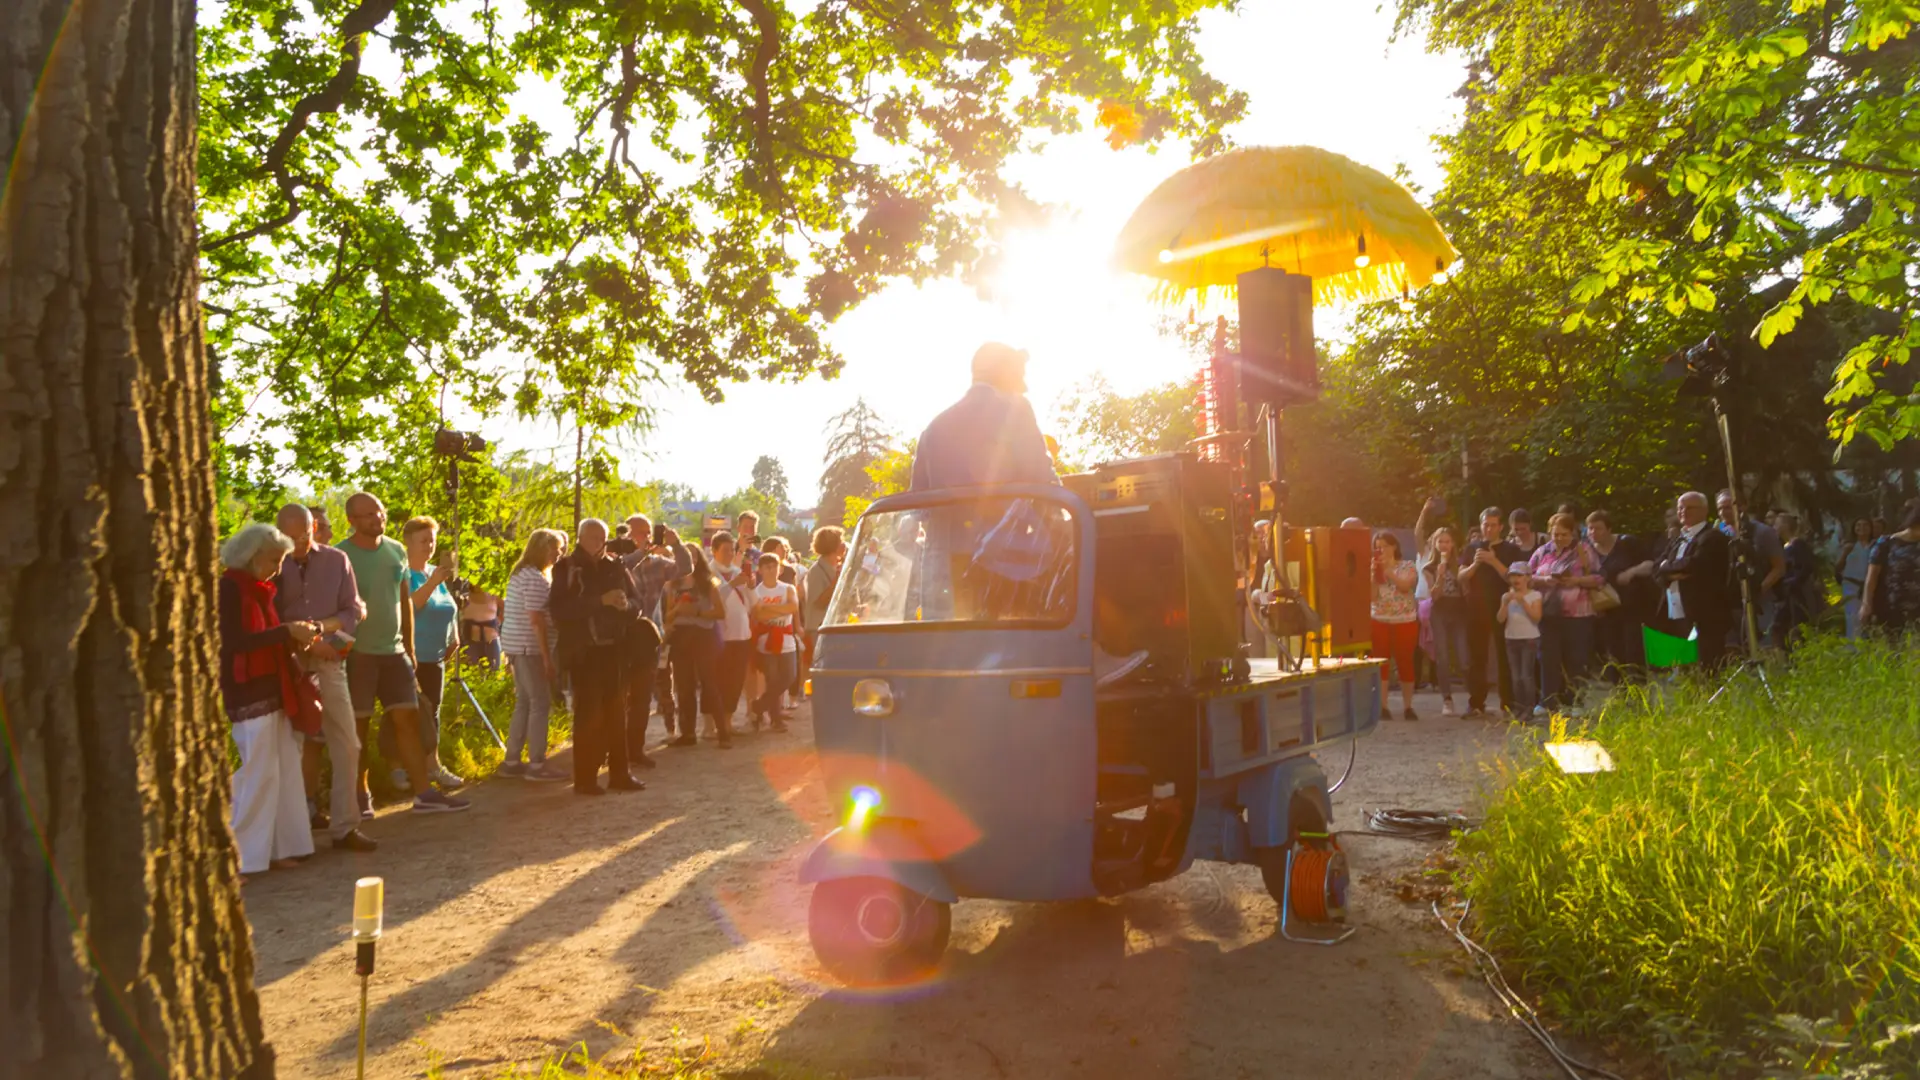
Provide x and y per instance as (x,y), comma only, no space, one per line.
(670,920)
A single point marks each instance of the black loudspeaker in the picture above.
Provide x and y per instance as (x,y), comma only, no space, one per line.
(1164,575)
(1278,363)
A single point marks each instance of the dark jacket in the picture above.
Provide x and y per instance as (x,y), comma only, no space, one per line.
(1704,589)
(261,694)
(987,437)
(585,623)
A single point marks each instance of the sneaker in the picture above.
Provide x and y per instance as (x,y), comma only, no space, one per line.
(1446,708)
(545,773)
(366,806)
(446,780)
(355,840)
(512,770)
(1386,713)
(435,802)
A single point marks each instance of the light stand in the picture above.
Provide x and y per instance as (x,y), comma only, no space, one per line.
(1742,531)
(369,899)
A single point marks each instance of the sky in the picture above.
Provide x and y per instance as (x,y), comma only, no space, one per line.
(1316,73)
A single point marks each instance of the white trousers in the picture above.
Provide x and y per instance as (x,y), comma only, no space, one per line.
(343,744)
(269,797)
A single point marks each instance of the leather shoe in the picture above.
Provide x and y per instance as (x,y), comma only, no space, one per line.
(629,784)
(594,790)
(646,762)
(355,840)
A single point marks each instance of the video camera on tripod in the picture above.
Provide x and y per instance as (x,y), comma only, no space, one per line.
(456,447)
(1709,369)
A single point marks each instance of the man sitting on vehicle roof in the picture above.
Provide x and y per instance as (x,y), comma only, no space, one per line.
(990,436)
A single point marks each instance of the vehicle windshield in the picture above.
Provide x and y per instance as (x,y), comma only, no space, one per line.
(992,560)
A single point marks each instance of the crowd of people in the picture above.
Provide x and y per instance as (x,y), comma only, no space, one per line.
(1534,615)
(315,640)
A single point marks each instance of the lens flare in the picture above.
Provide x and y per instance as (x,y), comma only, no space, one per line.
(865,801)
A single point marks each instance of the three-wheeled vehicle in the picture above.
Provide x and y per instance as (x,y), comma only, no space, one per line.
(962,733)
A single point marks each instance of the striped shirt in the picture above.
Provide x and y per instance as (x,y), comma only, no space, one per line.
(527,593)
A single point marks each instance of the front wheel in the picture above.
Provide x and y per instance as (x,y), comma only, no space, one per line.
(870,931)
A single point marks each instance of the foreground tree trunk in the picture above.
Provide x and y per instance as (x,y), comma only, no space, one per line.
(122,937)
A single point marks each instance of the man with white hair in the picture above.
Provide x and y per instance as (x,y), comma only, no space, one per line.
(990,436)
(1693,569)
(594,604)
(316,585)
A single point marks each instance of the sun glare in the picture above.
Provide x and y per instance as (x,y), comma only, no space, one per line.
(1058,295)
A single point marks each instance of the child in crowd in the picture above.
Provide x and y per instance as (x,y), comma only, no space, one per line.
(777,650)
(1520,614)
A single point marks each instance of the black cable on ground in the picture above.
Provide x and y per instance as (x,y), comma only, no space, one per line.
(1489,969)
(1412,824)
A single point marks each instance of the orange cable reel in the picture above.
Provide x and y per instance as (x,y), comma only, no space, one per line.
(1319,885)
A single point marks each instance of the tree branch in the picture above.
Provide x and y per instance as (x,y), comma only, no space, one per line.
(764,52)
(328,99)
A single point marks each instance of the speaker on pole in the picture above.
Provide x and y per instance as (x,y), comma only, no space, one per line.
(1278,363)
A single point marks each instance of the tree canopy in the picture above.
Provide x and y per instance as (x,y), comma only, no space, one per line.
(410,207)
(856,439)
(1535,372)
(770,478)
(1733,144)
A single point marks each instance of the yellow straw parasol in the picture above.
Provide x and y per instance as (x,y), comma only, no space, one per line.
(1355,232)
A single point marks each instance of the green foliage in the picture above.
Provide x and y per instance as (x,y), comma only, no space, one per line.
(1735,141)
(1745,859)
(770,478)
(1102,425)
(750,499)
(1539,362)
(549,207)
(889,474)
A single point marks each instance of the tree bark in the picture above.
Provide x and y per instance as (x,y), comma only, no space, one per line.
(122,935)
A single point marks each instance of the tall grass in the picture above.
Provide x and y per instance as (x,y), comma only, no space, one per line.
(1743,891)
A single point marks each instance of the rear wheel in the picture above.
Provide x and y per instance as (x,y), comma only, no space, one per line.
(870,931)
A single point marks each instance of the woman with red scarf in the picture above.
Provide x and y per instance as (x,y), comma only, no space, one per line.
(266,695)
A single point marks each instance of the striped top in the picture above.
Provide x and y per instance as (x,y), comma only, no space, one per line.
(527,593)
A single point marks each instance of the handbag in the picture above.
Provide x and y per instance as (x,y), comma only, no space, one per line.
(308,717)
(1605,599)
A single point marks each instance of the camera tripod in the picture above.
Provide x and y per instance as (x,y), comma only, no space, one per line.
(457,679)
(1743,536)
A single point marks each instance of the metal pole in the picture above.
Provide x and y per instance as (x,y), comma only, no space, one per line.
(361,1070)
(1747,619)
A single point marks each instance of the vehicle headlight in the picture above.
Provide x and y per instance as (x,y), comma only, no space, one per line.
(873,697)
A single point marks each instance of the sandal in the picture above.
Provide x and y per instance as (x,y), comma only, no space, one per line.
(1409,714)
